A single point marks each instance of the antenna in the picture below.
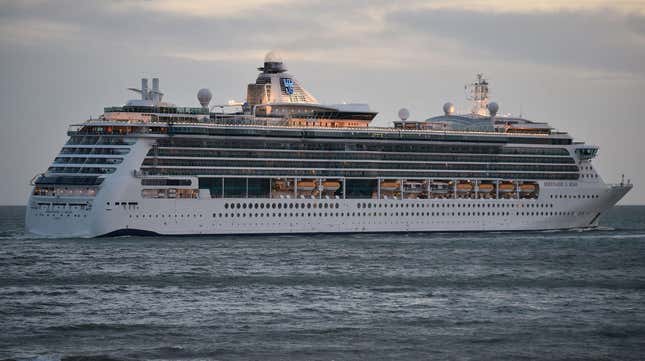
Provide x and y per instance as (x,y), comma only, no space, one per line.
(477,92)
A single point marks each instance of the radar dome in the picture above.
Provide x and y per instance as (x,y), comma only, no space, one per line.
(404,114)
(204,96)
(492,108)
(448,108)
(273,57)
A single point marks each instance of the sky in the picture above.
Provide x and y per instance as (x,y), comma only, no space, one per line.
(579,65)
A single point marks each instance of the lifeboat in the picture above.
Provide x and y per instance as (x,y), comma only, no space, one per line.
(486,188)
(307,185)
(507,187)
(390,186)
(528,188)
(439,187)
(331,185)
(279,183)
(413,187)
(464,187)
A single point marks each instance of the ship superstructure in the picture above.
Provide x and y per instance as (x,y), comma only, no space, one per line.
(283,163)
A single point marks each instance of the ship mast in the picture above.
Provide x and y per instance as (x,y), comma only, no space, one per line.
(477,93)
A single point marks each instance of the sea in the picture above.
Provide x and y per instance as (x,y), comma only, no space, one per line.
(560,295)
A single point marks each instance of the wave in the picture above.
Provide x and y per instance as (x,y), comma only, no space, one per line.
(100,327)
(90,358)
(98,357)
(381,284)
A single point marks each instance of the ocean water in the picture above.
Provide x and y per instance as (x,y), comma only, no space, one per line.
(574,295)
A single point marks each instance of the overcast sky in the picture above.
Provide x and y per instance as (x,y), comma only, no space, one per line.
(580,67)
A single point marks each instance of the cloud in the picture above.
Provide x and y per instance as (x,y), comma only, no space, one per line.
(37,31)
(528,7)
(199,8)
(587,40)
(583,36)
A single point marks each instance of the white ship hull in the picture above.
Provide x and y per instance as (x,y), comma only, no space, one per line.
(52,216)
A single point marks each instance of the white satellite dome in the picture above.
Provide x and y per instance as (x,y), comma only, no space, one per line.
(273,57)
(404,114)
(448,108)
(492,108)
(204,96)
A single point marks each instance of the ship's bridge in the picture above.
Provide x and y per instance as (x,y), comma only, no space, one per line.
(586,152)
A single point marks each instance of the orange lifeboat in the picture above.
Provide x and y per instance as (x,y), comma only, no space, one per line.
(390,186)
(486,188)
(507,187)
(528,188)
(307,185)
(331,185)
(464,187)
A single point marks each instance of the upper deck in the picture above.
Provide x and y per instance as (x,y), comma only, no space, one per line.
(270,128)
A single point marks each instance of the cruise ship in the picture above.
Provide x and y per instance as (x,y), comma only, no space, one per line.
(281,162)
